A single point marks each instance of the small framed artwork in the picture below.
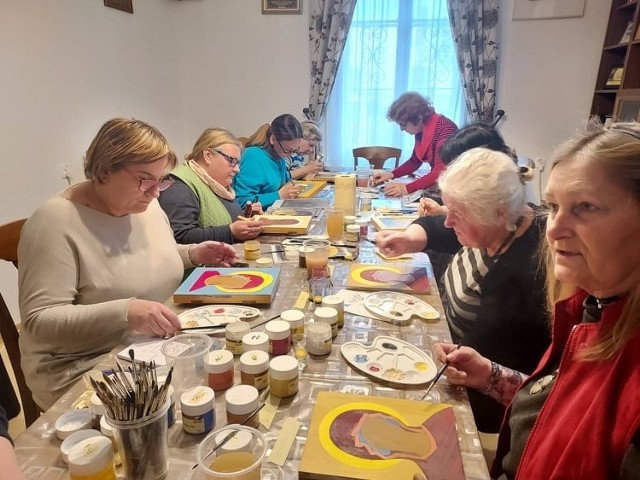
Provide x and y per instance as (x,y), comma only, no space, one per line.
(281,6)
(628,33)
(615,78)
(124,5)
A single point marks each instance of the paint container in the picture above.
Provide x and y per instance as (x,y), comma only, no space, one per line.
(72,421)
(254,369)
(318,338)
(92,459)
(107,431)
(302,256)
(233,334)
(198,410)
(279,334)
(336,302)
(241,441)
(348,220)
(219,367)
(251,250)
(242,401)
(363,225)
(264,262)
(96,405)
(327,315)
(352,233)
(283,376)
(295,318)
(255,341)
(75,438)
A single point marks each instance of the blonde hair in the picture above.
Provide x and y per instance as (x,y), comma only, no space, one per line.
(616,151)
(311,131)
(212,138)
(121,142)
(481,181)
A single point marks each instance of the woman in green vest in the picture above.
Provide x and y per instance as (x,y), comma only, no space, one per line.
(201,203)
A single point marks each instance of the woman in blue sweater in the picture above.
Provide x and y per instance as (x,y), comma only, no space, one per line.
(263,169)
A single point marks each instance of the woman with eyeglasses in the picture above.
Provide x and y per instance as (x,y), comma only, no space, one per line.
(416,116)
(311,137)
(201,203)
(263,170)
(98,260)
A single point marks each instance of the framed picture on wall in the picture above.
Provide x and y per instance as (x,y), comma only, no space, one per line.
(281,6)
(124,5)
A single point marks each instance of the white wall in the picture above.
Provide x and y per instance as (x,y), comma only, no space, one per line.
(547,75)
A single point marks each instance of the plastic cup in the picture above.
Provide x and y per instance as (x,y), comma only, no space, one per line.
(335,223)
(363,177)
(186,354)
(143,445)
(317,257)
(239,458)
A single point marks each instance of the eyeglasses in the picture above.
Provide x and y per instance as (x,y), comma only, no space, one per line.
(233,161)
(147,184)
(286,152)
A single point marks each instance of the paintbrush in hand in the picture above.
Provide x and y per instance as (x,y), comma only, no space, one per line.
(438,375)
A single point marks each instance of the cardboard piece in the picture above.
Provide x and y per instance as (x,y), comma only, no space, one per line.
(380,438)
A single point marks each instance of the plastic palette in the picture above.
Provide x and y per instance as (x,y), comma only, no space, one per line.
(390,360)
(217,315)
(397,307)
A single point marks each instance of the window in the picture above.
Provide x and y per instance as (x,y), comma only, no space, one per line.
(394,46)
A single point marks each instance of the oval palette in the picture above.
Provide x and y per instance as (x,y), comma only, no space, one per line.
(217,315)
(398,307)
(390,360)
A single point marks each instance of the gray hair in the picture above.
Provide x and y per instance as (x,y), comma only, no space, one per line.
(482,181)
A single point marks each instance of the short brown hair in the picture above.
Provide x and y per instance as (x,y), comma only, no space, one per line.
(410,107)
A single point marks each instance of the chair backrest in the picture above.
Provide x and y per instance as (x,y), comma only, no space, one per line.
(376,156)
(9,236)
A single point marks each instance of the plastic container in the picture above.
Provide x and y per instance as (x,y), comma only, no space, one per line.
(219,365)
(336,302)
(352,233)
(198,410)
(242,401)
(233,334)
(279,333)
(255,341)
(295,318)
(240,458)
(283,376)
(239,442)
(96,405)
(254,369)
(318,338)
(171,413)
(73,421)
(186,353)
(349,220)
(143,445)
(302,256)
(363,225)
(264,262)
(251,250)
(328,315)
(75,438)
(92,459)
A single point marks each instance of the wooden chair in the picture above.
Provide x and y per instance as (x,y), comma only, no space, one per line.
(377,156)
(9,236)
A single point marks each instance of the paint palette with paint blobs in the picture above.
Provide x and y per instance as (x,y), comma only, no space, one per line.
(390,360)
(216,316)
(398,308)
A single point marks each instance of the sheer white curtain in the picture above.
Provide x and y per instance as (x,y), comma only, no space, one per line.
(393,46)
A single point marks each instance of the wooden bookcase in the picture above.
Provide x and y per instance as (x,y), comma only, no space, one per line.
(620,102)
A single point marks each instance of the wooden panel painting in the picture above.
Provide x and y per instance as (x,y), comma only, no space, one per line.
(380,438)
(387,277)
(285,224)
(392,222)
(228,285)
(309,188)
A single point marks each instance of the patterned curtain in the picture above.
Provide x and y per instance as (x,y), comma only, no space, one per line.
(474,25)
(328,28)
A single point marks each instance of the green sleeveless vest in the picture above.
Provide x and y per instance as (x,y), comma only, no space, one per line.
(212,211)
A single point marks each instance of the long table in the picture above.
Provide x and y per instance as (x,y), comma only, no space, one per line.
(38,447)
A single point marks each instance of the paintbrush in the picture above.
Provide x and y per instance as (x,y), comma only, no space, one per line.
(439,374)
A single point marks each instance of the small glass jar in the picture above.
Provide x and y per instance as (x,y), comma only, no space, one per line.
(198,410)
(233,334)
(283,376)
(349,220)
(92,459)
(327,315)
(264,262)
(336,302)
(255,341)
(352,233)
(251,250)
(295,318)
(219,367)
(242,401)
(254,369)
(363,225)
(279,333)
(318,338)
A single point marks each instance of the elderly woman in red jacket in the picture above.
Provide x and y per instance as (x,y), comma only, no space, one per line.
(416,116)
(578,414)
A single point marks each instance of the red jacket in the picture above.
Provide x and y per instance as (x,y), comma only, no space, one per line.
(436,130)
(590,417)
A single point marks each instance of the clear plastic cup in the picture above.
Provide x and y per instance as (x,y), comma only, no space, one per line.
(186,354)
(317,257)
(335,223)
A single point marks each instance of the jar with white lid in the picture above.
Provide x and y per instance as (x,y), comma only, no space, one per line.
(242,401)
(219,367)
(327,315)
(283,376)
(92,459)
(336,302)
(254,369)
(96,405)
(75,438)
(233,334)
(352,233)
(349,220)
(198,410)
(241,441)
(318,336)
(279,333)
(255,341)
(363,225)
(295,319)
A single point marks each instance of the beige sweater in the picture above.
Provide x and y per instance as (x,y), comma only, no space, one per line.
(78,270)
